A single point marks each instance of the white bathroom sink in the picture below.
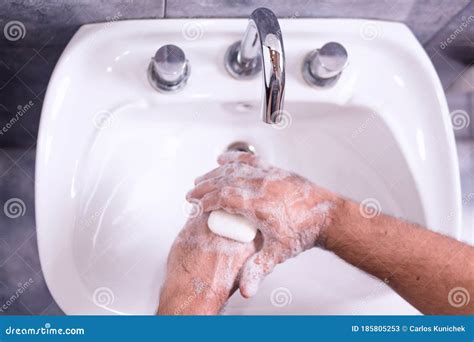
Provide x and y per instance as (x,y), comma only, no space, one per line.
(115,158)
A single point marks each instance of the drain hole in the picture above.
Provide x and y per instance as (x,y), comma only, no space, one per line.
(241,146)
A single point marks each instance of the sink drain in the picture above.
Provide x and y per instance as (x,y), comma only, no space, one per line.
(241,146)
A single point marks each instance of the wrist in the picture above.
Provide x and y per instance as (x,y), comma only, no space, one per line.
(332,220)
(191,296)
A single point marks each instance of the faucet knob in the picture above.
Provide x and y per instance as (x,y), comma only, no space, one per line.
(239,66)
(323,67)
(169,69)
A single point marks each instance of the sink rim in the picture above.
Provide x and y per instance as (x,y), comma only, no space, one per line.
(233,29)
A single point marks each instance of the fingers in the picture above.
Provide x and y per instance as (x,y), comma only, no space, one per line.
(225,169)
(232,162)
(258,266)
(237,169)
(217,172)
(239,157)
(203,188)
(227,198)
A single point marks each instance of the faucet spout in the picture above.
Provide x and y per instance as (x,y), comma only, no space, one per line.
(261,49)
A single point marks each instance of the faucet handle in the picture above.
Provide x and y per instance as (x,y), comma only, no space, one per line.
(243,59)
(241,67)
(169,69)
(323,67)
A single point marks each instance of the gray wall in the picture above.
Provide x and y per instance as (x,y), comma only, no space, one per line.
(26,65)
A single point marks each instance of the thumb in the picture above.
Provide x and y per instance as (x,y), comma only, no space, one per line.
(257,267)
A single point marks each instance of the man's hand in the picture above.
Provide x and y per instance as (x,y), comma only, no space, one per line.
(432,272)
(202,270)
(289,211)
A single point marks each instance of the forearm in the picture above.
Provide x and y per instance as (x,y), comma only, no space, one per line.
(199,284)
(202,271)
(420,265)
(189,296)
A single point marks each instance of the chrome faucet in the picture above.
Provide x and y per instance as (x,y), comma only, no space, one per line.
(261,48)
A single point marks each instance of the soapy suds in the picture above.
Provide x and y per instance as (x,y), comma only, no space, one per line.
(198,285)
(253,274)
(217,277)
(228,276)
(289,210)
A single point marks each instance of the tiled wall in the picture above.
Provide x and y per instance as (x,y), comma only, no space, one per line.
(452,53)
(421,16)
(27,63)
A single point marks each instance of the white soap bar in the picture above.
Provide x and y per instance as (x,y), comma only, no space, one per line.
(231,226)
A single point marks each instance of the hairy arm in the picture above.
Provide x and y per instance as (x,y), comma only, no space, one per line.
(202,270)
(432,272)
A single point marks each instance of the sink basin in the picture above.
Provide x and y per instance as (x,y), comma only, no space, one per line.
(116,158)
